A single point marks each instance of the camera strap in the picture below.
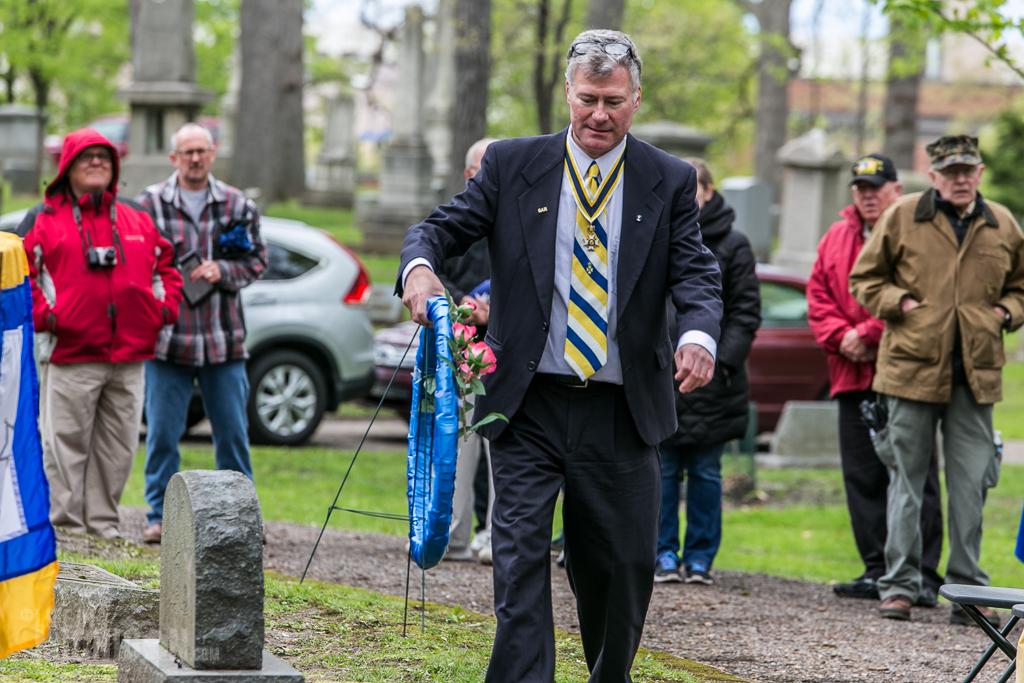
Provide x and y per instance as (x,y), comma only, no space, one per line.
(77,213)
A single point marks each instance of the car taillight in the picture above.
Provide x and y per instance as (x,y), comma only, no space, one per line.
(359,293)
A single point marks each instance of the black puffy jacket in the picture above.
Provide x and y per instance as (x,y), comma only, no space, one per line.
(717,412)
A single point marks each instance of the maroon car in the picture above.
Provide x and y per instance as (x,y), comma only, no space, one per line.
(785,364)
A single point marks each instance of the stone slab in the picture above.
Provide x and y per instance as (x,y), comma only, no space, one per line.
(95,610)
(146,661)
(211,571)
(807,429)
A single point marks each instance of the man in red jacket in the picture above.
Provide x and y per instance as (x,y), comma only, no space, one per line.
(103,285)
(849,337)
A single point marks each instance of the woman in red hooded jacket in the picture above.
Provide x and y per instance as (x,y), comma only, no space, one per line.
(849,336)
(103,285)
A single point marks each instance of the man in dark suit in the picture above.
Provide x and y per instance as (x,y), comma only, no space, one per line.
(588,230)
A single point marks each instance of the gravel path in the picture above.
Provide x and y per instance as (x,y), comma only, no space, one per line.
(762,628)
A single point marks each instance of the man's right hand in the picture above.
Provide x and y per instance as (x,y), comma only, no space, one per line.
(854,348)
(908,303)
(420,286)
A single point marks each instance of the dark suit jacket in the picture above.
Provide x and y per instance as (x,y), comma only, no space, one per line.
(660,252)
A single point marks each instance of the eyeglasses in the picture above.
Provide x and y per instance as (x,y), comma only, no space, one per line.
(86,158)
(616,50)
(957,172)
(189,153)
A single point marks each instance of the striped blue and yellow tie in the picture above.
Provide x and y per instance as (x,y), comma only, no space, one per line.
(586,339)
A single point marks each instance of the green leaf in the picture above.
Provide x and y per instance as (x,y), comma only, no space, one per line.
(477,387)
(429,385)
(489,419)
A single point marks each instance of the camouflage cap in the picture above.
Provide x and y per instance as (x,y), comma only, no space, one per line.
(953,149)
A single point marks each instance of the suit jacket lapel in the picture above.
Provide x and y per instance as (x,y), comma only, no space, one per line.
(538,215)
(635,236)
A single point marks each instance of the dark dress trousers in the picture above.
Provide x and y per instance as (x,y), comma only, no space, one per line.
(599,440)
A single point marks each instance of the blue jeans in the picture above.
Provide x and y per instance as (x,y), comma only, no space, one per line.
(703,465)
(225,390)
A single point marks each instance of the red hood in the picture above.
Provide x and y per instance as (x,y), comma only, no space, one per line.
(74,143)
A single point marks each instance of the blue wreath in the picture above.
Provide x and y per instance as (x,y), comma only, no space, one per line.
(433,441)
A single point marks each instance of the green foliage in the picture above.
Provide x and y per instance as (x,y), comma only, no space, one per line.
(70,49)
(512,108)
(215,32)
(1004,162)
(698,67)
(19,670)
(986,20)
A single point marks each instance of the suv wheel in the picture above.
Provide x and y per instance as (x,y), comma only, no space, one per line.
(287,398)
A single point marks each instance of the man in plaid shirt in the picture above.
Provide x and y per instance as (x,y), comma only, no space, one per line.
(202,216)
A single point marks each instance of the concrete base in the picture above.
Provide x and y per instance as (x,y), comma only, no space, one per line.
(146,661)
(319,197)
(774,461)
(808,429)
(94,610)
(384,226)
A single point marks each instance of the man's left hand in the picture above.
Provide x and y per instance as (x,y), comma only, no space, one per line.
(694,367)
(207,270)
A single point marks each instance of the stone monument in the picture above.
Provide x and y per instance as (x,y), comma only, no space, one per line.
(164,95)
(405,195)
(814,188)
(335,180)
(674,138)
(437,111)
(94,610)
(21,147)
(211,589)
(807,436)
(751,198)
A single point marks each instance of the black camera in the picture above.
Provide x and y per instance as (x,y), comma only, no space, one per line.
(101,257)
(874,415)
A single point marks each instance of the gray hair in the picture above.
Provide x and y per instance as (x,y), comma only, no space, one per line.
(477,147)
(597,63)
(190,126)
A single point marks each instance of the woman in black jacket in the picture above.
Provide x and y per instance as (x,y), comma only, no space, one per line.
(714,414)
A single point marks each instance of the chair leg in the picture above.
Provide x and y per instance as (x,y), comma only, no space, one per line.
(1009,672)
(992,648)
(998,637)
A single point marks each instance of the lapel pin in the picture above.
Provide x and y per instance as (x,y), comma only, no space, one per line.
(542,209)
(639,218)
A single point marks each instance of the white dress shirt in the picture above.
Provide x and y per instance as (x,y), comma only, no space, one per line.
(553,361)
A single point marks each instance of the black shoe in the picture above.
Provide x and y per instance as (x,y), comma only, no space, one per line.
(927,598)
(863,589)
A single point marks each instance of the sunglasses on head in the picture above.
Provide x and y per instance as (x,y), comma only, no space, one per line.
(613,49)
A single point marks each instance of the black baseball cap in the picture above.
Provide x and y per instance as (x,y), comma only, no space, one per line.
(876,169)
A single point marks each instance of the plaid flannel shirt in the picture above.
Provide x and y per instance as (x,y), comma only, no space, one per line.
(214,331)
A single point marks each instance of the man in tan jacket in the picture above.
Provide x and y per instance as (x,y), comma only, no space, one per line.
(945,270)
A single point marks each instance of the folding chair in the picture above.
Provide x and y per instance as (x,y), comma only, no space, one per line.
(972,597)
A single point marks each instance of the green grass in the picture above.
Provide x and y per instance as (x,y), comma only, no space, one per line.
(815,542)
(336,633)
(19,669)
(17,201)
(383,269)
(339,222)
(1008,416)
(298,484)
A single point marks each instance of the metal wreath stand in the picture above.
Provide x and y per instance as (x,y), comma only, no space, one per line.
(433,450)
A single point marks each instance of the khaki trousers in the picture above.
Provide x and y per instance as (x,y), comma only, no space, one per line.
(972,467)
(89,416)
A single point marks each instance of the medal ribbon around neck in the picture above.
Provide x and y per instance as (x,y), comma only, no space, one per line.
(592,208)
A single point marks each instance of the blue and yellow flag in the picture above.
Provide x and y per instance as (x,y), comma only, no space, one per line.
(28,546)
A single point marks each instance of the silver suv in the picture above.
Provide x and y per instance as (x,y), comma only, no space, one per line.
(309,336)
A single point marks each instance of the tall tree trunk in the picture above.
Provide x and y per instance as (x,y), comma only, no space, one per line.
(9,78)
(862,95)
(472,75)
(773,80)
(290,179)
(548,70)
(605,14)
(540,58)
(903,81)
(268,152)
